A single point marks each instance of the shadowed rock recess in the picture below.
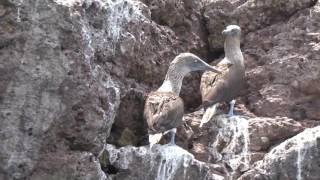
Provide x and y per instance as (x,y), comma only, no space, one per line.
(74,75)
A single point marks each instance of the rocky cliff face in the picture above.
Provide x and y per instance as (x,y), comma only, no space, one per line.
(74,74)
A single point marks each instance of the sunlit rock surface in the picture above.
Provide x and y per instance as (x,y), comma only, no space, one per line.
(267,132)
(237,142)
(74,75)
(162,162)
(281,49)
(252,15)
(296,158)
(261,132)
(65,66)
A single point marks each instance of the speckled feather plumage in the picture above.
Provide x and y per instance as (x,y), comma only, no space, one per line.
(163,111)
(222,87)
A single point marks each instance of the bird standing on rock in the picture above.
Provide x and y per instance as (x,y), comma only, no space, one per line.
(164,108)
(224,87)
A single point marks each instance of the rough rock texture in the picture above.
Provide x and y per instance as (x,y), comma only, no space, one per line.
(252,15)
(288,72)
(184,18)
(162,162)
(227,146)
(263,132)
(281,48)
(237,141)
(65,66)
(266,132)
(53,98)
(295,158)
(65,166)
(74,75)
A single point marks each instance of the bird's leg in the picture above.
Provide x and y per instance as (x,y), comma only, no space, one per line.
(173,134)
(231,107)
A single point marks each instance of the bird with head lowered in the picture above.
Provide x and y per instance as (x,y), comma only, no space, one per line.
(164,108)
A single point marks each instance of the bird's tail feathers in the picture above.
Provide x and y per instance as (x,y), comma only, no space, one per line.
(154,139)
(208,114)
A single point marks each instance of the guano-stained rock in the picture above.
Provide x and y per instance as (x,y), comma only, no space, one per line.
(162,162)
(296,158)
(73,75)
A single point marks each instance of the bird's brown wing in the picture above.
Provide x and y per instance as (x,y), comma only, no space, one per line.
(163,111)
(213,85)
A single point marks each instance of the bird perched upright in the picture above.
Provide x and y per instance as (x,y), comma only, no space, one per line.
(164,108)
(224,87)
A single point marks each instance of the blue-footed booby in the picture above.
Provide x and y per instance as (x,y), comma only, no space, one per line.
(224,87)
(163,108)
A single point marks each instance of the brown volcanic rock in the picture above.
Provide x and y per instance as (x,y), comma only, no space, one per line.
(52,95)
(129,127)
(184,18)
(263,132)
(65,166)
(280,44)
(295,158)
(69,70)
(237,142)
(266,132)
(217,15)
(185,21)
(231,140)
(65,66)
(283,71)
(160,162)
(182,30)
(251,15)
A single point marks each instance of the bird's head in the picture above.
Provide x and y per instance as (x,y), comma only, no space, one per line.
(188,62)
(232,31)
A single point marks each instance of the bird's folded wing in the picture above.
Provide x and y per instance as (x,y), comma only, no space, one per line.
(163,111)
(212,84)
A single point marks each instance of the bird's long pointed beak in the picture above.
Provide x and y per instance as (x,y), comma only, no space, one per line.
(206,67)
(200,65)
(213,69)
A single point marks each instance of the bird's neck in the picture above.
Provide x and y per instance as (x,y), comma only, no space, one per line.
(233,51)
(173,81)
